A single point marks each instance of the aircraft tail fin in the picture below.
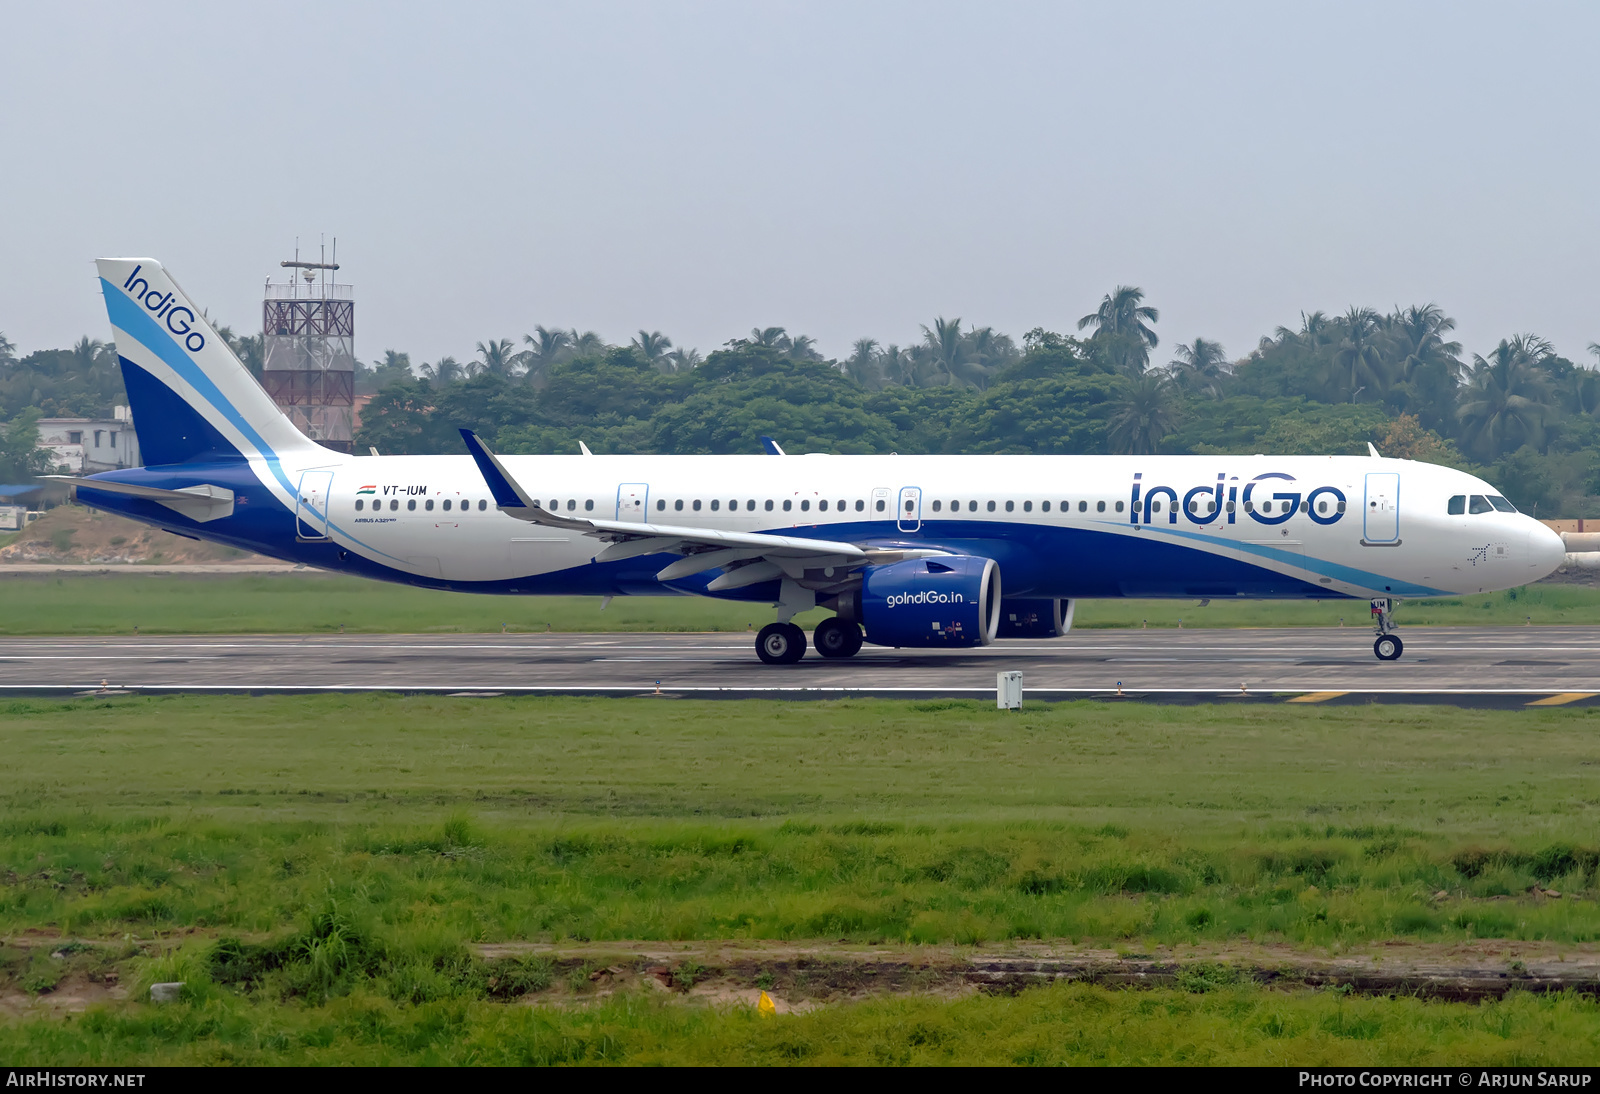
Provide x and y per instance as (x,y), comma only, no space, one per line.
(191,396)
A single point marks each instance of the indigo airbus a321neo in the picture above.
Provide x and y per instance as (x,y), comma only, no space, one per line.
(907,551)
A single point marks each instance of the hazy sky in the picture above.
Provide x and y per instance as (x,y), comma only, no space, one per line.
(843,170)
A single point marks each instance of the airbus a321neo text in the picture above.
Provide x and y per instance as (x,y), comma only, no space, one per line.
(905,551)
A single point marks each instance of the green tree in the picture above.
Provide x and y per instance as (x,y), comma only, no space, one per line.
(1359,358)
(1144,412)
(1200,368)
(21,458)
(547,346)
(498,357)
(652,347)
(1506,399)
(1123,321)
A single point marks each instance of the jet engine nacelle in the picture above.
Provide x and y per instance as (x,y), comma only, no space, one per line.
(951,600)
(1035,618)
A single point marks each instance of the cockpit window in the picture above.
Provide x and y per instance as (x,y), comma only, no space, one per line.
(1479,504)
(1501,504)
(1458,505)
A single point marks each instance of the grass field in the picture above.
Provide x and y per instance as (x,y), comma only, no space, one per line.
(313,602)
(323,863)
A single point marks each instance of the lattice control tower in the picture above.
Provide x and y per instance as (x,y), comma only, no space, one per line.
(308,327)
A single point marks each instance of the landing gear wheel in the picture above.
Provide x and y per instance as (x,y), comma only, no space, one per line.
(1389,647)
(836,638)
(781,644)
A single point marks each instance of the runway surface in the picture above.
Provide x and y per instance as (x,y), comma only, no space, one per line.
(1501,666)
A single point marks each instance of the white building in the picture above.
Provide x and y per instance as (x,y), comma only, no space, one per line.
(83,446)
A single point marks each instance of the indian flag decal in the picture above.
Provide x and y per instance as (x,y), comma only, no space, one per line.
(368,490)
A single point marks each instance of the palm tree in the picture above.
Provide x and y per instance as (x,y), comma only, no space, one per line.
(1144,414)
(803,347)
(1122,317)
(497,358)
(771,337)
(1420,331)
(8,349)
(1358,362)
(1201,366)
(651,346)
(446,371)
(586,344)
(545,347)
(1507,398)
(862,365)
(897,366)
(684,360)
(945,348)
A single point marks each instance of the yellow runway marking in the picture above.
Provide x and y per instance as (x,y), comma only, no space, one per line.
(1562,699)
(1318,696)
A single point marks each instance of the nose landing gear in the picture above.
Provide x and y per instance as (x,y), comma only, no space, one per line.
(1387,646)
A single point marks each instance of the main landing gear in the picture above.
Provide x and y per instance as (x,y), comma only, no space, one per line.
(1388,646)
(785,643)
(836,637)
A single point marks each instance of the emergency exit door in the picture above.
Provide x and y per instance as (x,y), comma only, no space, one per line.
(311,505)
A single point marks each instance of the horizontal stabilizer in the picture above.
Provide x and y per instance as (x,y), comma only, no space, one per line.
(198,503)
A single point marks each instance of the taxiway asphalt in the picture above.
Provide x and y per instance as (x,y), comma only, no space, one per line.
(1502,666)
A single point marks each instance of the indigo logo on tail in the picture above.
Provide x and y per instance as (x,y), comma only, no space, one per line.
(179,320)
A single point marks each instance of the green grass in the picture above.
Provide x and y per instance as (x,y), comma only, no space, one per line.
(870,820)
(1058,1025)
(312,602)
(325,862)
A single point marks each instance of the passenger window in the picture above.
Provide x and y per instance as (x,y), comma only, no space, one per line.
(1305,507)
(769,505)
(880,505)
(972,507)
(841,505)
(991,507)
(1456,506)
(1249,507)
(787,505)
(1155,507)
(935,505)
(1479,504)
(555,504)
(446,505)
(571,504)
(1011,507)
(733,505)
(1119,506)
(428,505)
(1083,507)
(1044,507)
(677,506)
(716,503)
(1501,504)
(411,504)
(660,505)
(908,505)
(860,506)
(805,505)
(588,504)
(823,505)
(750,506)
(1322,507)
(1230,507)
(360,505)
(696,505)
(1341,507)
(483,503)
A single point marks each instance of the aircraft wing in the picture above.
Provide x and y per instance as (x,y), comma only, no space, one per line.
(748,557)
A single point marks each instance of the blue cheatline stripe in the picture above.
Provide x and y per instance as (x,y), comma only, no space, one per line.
(129,316)
(1348,574)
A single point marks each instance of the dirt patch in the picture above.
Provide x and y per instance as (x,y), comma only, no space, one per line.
(72,996)
(736,972)
(77,534)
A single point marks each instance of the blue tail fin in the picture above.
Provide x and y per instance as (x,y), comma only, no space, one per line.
(192,398)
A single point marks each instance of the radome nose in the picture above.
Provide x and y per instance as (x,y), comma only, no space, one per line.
(1546,551)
